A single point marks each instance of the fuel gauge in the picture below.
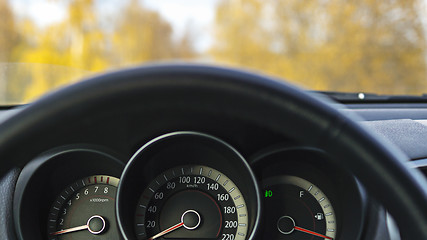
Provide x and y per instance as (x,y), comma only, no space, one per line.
(297,210)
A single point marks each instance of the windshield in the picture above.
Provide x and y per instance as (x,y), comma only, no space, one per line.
(326,45)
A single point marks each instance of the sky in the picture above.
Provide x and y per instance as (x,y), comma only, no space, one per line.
(43,12)
(198,14)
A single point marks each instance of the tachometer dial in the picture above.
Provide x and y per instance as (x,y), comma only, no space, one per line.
(191,202)
(297,210)
(85,210)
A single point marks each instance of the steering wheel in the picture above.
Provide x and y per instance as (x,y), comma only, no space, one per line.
(166,91)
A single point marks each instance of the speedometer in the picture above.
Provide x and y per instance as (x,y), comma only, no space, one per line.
(191,202)
(188,185)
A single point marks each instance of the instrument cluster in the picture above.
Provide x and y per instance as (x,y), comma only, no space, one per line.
(187,185)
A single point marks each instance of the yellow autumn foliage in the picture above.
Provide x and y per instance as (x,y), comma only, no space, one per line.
(335,45)
(64,52)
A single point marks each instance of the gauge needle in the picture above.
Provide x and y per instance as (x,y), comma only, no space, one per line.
(98,229)
(191,214)
(311,232)
(74,229)
(174,227)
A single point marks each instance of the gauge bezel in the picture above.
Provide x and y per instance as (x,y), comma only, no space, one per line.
(320,169)
(183,148)
(40,182)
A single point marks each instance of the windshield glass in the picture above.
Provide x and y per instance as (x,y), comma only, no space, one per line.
(328,45)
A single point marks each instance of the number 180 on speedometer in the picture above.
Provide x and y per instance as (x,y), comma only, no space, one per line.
(191,202)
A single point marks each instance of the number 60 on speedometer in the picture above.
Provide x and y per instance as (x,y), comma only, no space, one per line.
(191,202)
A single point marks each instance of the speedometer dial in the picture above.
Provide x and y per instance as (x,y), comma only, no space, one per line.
(191,202)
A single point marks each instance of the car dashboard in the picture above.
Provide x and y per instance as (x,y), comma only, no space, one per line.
(215,178)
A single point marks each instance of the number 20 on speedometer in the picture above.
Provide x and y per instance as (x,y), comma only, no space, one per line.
(191,202)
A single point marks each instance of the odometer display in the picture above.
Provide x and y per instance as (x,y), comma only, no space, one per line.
(191,202)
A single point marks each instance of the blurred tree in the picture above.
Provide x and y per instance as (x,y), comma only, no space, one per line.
(77,42)
(383,46)
(8,33)
(357,45)
(83,41)
(240,38)
(184,48)
(141,35)
(10,44)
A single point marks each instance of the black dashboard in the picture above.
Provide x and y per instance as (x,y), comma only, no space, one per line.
(53,179)
(199,176)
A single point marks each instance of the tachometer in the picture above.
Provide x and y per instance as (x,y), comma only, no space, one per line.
(85,209)
(191,202)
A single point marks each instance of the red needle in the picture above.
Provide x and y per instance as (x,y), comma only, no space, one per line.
(311,232)
(84,227)
(74,229)
(174,227)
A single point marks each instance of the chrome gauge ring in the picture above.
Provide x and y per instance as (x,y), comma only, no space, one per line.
(188,185)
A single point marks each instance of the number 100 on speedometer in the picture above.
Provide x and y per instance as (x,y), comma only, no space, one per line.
(191,202)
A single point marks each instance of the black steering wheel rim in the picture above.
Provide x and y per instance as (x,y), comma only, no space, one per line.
(168,89)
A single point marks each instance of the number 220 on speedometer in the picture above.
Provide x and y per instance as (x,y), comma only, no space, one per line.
(191,202)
